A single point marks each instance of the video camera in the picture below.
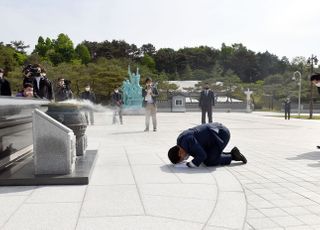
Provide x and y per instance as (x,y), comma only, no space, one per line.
(67,84)
(34,70)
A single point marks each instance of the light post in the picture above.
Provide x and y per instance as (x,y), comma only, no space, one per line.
(299,97)
(311,60)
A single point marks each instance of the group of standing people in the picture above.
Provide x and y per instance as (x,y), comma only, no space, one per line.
(36,84)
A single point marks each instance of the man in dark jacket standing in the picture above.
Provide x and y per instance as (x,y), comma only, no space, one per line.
(150,94)
(117,102)
(205,143)
(88,94)
(42,86)
(5,89)
(206,102)
(287,108)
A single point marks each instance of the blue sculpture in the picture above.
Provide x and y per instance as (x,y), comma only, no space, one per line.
(132,91)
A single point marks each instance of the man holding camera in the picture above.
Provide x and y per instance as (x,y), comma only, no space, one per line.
(42,86)
(150,94)
(63,91)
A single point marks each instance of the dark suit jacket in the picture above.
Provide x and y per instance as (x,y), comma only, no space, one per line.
(154,92)
(5,89)
(88,95)
(199,141)
(206,100)
(45,90)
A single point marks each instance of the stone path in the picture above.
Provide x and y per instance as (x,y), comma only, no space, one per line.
(133,186)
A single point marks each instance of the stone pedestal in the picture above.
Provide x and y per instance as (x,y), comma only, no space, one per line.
(54,145)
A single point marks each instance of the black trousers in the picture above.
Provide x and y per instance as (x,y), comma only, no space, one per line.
(287,113)
(208,110)
(216,156)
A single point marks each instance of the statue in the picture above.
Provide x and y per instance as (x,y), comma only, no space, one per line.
(132,91)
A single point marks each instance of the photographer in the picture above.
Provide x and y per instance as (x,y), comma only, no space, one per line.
(42,86)
(150,94)
(63,91)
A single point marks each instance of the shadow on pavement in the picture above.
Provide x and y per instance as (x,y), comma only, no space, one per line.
(306,156)
(171,169)
(131,132)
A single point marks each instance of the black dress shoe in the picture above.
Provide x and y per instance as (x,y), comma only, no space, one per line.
(237,156)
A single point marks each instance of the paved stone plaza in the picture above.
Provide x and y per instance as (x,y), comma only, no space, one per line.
(134,187)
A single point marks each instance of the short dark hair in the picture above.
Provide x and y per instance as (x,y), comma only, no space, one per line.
(315,76)
(60,78)
(173,154)
(27,85)
(148,79)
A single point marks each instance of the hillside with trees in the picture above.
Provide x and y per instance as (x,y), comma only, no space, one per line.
(104,65)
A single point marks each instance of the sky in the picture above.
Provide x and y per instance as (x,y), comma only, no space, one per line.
(283,27)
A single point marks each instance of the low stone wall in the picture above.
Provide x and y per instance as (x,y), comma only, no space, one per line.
(54,145)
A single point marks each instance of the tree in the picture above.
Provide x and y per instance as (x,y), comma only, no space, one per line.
(148,61)
(7,58)
(43,46)
(166,60)
(19,46)
(148,49)
(83,53)
(64,47)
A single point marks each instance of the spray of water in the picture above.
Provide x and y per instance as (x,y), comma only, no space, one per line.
(86,104)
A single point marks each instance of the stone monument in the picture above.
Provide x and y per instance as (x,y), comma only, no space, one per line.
(132,91)
(54,147)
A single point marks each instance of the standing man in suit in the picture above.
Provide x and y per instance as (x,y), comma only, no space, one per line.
(206,102)
(205,143)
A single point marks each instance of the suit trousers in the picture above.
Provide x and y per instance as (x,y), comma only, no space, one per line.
(216,156)
(151,110)
(208,110)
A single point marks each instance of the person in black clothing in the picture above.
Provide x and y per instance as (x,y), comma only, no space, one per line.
(5,89)
(88,94)
(205,143)
(63,91)
(42,86)
(287,108)
(116,98)
(206,102)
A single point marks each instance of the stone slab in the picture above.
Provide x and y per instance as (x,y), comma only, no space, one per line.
(25,175)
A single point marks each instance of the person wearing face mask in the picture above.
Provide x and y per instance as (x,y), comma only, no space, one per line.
(116,98)
(150,94)
(88,94)
(42,86)
(5,89)
(205,143)
(206,102)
